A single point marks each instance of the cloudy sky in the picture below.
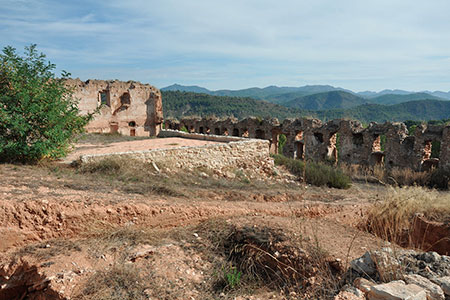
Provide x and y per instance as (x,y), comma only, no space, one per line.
(359,45)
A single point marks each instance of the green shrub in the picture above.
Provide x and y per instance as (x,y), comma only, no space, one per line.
(184,129)
(318,174)
(281,142)
(38,116)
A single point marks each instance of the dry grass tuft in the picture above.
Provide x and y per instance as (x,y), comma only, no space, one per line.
(408,177)
(392,218)
(118,283)
(136,177)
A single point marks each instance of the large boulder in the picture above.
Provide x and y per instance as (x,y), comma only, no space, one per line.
(434,291)
(397,290)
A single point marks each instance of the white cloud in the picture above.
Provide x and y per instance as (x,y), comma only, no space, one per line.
(235,44)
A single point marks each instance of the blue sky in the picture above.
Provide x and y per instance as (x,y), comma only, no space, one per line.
(359,45)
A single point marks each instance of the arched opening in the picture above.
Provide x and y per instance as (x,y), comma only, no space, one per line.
(358,139)
(431,152)
(103,98)
(376,145)
(299,150)
(216,131)
(200,129)
(260,134)
(125,100)
(235,132)
(224,131)
(319,137)
(332,148)
(132,124)
(208,130)
(245,133)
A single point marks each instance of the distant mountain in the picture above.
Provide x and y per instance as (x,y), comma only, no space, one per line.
(389,99)
(443,95)
(422,110)
(272,93)
(191,88)
(370,94)
(179,104)
(326,101)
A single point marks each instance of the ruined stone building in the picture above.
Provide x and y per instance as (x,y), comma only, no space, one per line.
(129,108)
(339,141)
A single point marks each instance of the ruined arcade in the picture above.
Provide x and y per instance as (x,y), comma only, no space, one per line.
(340,141)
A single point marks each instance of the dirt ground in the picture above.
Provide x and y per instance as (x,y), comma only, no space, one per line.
(75,229)
(113,146)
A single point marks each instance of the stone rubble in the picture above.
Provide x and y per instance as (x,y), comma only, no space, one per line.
(388,274)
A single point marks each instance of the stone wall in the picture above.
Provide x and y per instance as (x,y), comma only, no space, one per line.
(341,141)
(241,153)
(128,108)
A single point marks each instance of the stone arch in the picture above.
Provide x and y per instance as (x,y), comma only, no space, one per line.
(260,134)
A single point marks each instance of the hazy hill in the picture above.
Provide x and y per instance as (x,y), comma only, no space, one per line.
(413,110)
(325,101)
(395,99)
(191,88)
(270,93)
(438,94)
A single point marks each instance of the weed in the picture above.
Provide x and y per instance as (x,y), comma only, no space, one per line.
(315,173)
(232,276)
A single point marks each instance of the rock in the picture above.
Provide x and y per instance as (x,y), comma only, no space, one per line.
(345,295)
(444,283)
(143,251)
(364,265)
(397,290)
(430,257)
(203,175)
(434,292)
(363,284)
(386,264)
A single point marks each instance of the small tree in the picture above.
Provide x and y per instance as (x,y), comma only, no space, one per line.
(38,115)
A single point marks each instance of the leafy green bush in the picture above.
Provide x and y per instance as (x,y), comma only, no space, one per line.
(315,173)
(38,115)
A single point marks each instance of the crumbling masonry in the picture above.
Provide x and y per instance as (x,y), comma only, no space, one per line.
(129,108)
(342,141)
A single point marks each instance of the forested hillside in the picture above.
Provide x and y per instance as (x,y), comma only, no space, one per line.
(179,104)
